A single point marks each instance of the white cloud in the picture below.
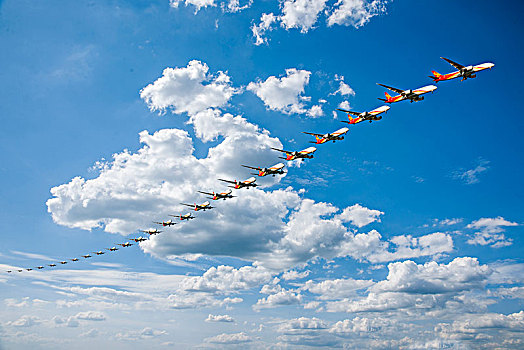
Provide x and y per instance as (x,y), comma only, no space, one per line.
(234,338)
(283,94)
(315,111)
(188,89)
(360,216)
(219,318)
(301,14)
(91,316)
(473,326)
(349,328)
(197,3)
(355,13)
(337,288)
(24,321)
(471,176)
(294,275)
(343,88)
(233,6)
(281,298)
(301,325)
(491,232)
(259,31)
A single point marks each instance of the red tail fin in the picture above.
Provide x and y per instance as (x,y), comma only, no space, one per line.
(436,74)
(387,95)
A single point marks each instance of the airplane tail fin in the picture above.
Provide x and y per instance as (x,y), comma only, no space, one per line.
(436,75)
(387,95)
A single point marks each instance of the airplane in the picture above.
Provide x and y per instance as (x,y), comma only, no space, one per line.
(196,207)
(63,262)
(139,239)
(217,196)
(40,267)
(464,72)
(112,249)
(411,95)
(51,265)
(99,252)
(183,217)
(151,231)
(165,223)
(126,244)
(74,259)
(87,256)
(238,185)
(323,138)
(361,117)
(275,169)
(19,270)
(306,153)
(9,271)
(29,269)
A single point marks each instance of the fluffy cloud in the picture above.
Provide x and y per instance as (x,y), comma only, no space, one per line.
(234,338)
(283,94)
(219,318)
(188,89)
(301,14)
(302,325)
(281,298)
(360,216)
(491,232)
(337,288)
(91,316)
(197,3)
(348,328)
(266,20)
(24,321)
(355,13)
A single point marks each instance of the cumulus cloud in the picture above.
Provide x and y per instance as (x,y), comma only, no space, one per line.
(219,318)
(337,288)
(281,298)
(198,4)
(234,6)
(360,216)
(301,325)
(265,25)
(283,94)
(357,325)
(491,232)
(188,89)
(91,316)
(234,338)
(24,321)
(301,14)
(295,275)
(355,13)
(343,88)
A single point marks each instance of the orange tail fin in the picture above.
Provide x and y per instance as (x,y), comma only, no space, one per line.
(435,73)
(387,95)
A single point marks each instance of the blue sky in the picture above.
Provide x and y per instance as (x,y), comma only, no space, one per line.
(407,234)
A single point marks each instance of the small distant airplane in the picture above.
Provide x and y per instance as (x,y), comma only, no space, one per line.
(87,256)
(165,223)
(40,267)
(183,217)
(63,262)
(361,117)
(275,169)
(99,252)
(51,265)
(112,249)
(29,269)
(19,270)
(74,259)
(126,244)
(217,196)
(196,207)
(306,153)
(151,231)
(9,271)
(323,138)
(411,95)
(464,72)
(139,239)
(241,184)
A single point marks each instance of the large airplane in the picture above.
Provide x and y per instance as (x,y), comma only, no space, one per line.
(217,196)
(165,223)
(241,184)
(306,153)
(464,72)
(361,117)
(196,207)
(411,95)
(151,231)
(275,169)
(323,138)
(183,217)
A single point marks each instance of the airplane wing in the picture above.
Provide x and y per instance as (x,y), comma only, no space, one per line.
(350,112)
(398,91)
(280,150)
(251,167)
(311,133)
(188,205)
(210,194)
(454,64)
(228,181)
